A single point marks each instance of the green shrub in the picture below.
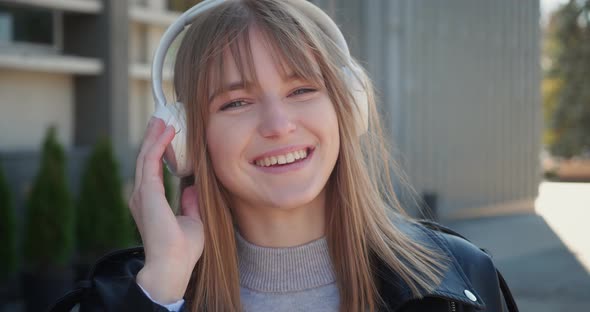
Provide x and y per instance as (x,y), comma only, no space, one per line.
(104,222)
(49,224)
(8,260)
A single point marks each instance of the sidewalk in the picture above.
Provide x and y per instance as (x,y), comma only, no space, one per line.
(545,256)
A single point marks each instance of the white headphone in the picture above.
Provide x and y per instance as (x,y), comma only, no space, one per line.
(174,114)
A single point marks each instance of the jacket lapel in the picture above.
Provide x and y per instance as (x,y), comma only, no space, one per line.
(454,286)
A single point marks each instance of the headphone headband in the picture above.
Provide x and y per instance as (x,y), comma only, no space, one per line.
(171,33)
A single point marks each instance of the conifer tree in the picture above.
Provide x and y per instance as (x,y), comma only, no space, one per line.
(104,221)
(49,225)
(566,85)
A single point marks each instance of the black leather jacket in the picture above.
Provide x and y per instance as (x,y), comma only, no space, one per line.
(471,282)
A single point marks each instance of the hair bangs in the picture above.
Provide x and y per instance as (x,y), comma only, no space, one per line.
(235,45)
(292,59)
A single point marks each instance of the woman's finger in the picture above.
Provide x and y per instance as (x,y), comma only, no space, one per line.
(189,204)
(152,161)
(154,129)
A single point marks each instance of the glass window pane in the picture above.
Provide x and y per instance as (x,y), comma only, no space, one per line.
(26,25)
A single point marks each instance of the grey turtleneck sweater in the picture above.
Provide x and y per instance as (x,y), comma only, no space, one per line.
(297,278)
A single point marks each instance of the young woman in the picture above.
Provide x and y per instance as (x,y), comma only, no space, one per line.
(288,205)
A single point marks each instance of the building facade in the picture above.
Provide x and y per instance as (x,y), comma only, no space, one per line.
(458,83)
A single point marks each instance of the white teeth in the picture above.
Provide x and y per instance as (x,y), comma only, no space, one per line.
(290,158)
(282,159)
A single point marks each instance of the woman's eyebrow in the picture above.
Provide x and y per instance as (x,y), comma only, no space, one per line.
(238,85)
(293,76)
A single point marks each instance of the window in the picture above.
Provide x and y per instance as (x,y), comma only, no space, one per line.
(29,26)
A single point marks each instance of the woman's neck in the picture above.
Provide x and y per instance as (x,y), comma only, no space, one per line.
(277,227)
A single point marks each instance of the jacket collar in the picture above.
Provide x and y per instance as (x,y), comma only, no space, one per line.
(454,286)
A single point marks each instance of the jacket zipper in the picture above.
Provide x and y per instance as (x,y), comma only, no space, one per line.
(452,306)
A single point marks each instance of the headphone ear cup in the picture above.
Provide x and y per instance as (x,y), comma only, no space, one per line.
(353,76)
(175,156)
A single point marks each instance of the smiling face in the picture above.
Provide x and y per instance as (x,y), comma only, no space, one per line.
(273,142)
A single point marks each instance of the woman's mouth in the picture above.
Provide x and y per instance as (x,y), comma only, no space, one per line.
(283,159)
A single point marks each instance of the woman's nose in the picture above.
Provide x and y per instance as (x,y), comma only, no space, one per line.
(275,120)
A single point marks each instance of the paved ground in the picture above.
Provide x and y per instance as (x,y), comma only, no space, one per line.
(545,257)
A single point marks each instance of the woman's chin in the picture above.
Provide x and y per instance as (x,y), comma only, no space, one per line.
(289,199)
(286,200)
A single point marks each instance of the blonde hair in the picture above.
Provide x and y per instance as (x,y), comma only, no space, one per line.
(360,193)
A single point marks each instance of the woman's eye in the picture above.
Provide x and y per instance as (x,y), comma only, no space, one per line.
(233,104)
(302,91)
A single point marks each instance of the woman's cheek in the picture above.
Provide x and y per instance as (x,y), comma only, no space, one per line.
(227,138)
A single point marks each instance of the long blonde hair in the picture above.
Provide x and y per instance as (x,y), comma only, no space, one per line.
(360,193)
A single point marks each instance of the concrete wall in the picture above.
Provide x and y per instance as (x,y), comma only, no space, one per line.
(29,103)
(459,85)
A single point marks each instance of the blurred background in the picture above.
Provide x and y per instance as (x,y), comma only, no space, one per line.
(487,104)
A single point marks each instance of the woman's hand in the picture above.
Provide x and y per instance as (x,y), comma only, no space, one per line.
(173,244)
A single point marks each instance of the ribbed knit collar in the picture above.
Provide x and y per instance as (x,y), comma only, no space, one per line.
(287,269)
